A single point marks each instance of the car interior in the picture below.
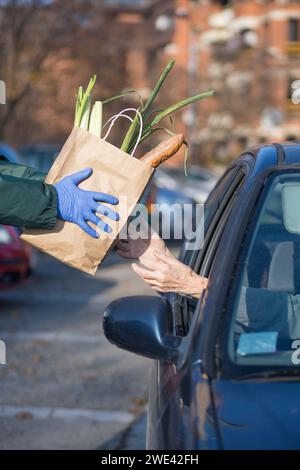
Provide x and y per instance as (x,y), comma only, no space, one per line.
(266,318)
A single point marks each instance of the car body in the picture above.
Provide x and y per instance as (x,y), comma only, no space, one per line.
(40,156)
(15,257)
(226,370)
(178,187)
(8,152)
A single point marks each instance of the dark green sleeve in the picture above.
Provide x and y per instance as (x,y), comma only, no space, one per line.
(27,202)
(20,171)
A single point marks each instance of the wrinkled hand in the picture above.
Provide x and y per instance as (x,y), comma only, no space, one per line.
(164,273)
(79,206)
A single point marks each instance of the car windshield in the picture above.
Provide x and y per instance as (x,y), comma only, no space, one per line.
(265,327)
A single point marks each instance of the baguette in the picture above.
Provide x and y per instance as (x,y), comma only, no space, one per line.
(163,151)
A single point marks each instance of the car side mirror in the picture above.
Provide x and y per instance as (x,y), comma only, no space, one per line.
(142,325)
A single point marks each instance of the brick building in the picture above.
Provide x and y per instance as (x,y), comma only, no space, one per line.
(248,52)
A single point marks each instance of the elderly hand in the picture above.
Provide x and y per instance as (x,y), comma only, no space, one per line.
(164,273)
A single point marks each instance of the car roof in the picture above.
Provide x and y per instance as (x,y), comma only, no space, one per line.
(272,156)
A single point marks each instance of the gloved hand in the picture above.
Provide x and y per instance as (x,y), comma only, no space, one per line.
(79,206)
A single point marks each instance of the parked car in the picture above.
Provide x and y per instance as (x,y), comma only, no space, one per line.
(195,186)
(176,196)
(15,257)
(8,152)
(226,369)
(40,156)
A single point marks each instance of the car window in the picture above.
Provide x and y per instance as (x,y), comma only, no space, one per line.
(265,305)
(220,205)
(212,238)
(204,268)
(212,204)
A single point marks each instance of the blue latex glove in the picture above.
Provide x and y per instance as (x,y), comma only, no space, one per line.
(79,206)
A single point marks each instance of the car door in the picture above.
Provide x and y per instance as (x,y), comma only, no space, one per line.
(256,384)
(170,419)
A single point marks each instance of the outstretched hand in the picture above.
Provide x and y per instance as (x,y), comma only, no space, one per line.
(164,273)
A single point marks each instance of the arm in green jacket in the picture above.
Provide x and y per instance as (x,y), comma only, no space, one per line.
(20,171)
(25,200)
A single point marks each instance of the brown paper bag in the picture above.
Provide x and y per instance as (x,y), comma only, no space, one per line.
(114,172)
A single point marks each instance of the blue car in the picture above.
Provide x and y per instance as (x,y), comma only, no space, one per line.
(226,369)
(8,152)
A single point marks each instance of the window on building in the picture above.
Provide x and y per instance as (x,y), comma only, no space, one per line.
(223,3)
(289,89)
(294,29)
(293,89)
(123,2)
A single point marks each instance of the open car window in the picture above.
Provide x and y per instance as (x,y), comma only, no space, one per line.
(265,324)
(216,213)
(190,256)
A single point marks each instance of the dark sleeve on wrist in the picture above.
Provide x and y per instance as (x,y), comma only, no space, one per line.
(27,203)
(20,171)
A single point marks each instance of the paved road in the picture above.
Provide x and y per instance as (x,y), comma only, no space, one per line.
(64,386)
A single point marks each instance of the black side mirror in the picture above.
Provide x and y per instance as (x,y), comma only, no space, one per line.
(142,325)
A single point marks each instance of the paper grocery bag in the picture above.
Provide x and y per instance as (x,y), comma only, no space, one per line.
(114,172)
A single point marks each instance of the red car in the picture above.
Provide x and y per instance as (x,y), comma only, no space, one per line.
(15,257)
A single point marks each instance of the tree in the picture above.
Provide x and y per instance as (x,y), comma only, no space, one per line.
(47,49)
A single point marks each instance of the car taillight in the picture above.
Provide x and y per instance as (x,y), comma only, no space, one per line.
(5,236)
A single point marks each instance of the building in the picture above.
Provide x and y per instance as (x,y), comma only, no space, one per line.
(248,52)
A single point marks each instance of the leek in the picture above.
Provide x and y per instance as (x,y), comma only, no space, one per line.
(120,95)
(89,117)
(131,131)
(180,105)
(95,126)
(83,104)
(150,126)
(78,102)
(84,123)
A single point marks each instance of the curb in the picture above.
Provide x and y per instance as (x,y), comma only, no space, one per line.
(132,438)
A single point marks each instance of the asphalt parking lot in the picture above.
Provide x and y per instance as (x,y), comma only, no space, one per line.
(64,386)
